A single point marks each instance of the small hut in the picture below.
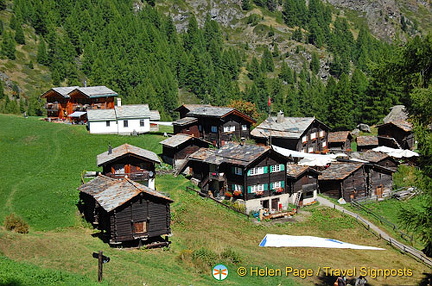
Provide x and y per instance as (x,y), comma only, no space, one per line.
(340,141)
(125,210)
(303,184)
(366,143)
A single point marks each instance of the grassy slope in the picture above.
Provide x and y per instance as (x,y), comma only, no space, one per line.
(40,170)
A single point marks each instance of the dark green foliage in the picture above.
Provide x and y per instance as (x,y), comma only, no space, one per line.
(315,63)
(3,4)
(1,27)
(267,64)
(246,5)
(2,95)
(19,34)
(42,55)
(341,105)
(8,46)
(297,35)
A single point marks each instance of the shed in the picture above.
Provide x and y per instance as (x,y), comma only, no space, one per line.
(366,142)
(378,158)
(340,141)
(125,210)
(396,126)
(129,161)
(177,148)
(344,180)
(302,182)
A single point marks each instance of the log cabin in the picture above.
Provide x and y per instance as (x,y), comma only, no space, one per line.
(395,125)
(217,125)
(125,210)
(377,158)
(186,108)
(365,143)
(302,134)
(251,174)
(302,182)
(63,102)
(129,161)
(177,148)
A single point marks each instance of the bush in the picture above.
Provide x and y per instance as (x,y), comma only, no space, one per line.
(15,223)
(231,256)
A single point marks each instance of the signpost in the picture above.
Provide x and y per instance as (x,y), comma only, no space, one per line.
(101,260)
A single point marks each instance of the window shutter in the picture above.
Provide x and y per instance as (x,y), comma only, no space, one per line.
(232,187)
(282,184)
(271,186)
(265,187)
(265,169)
(248,172)
(249,189)
(282,167)
(233,170)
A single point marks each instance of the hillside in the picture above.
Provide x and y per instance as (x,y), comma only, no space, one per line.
(169,52)
(40,171)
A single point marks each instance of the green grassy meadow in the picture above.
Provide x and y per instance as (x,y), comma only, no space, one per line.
(40,168)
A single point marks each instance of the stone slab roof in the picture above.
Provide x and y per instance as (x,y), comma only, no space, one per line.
(124,149)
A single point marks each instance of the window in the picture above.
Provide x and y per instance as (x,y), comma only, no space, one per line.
(238,171)
(257,188)
(277,168)
(125,123)
(257,171)
(304,139)
(229,128)
(142,122)
(322,133)
(244,127)
(108,123)
(214,129)
(310,149)
(200,127)
(277,185)
(308,195)
(313,136)
(236,187)
(324,144)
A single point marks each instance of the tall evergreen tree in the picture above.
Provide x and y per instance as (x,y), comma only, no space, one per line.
(267,63)
(8,46)
(340,117)
(19,34)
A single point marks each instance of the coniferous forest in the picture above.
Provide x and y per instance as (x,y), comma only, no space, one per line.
(135,49)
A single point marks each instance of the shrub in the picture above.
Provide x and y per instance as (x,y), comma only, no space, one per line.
(15,223)
(231,256)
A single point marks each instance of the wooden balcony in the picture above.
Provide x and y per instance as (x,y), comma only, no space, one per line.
(136,176)
(214,176)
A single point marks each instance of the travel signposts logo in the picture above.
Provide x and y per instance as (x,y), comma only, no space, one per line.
(220,272)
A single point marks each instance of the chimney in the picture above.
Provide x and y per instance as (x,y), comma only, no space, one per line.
(85,83)
(118,101)
(280,117)
(109,149)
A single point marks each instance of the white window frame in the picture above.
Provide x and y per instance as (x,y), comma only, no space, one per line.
(230,128)
(275,168)
(313,136)
(142,123)
(277,184)
(238,187)
(238,171)
(310,149)
(125,124)
(257,188)
(324,144)
(244,127)
(107,123)
(304,139)
(322,133)
(256,171)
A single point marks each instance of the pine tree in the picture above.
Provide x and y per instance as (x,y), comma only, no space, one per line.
(315,63)
(267,64)
(19,34)
(42,55)
(3,5)
(286,73)
(246,5)
(2,95)
(340,117)
(8,46)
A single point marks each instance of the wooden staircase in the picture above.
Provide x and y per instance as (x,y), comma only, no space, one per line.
(297,200)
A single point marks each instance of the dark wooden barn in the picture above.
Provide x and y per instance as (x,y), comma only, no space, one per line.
(397,126)
(377,158)
(186,108)
(178,147)
(129,161)
(302,184)
(340,141)
(344,180)
(379,180)
(125,210)
(217,125)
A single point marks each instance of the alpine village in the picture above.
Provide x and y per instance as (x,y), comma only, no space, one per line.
(245,142)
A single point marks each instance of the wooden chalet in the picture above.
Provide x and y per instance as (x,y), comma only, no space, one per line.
(339,141)
(397,127)
(129,161)
(302,134)
(302,183)
(365,143)
(125,210)
(252,174)
(379,180)
(344,180)
(217,125)
(177,148)
(72,102)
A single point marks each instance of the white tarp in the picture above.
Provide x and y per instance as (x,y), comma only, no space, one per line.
(308,159)
(77,114)
(397,153)
(282,240)
(161,123)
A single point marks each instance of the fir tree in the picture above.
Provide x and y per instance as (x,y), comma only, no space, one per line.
(315,63)
(8,46)
(267,64)
(42,55)
(19,34)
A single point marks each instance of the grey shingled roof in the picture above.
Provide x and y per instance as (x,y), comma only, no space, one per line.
(185,121)
(97,91)
(398,116)
(339,171)
(62,90)
(176,140)
(126,149)
(231,153)
(339,136)
(132,111)
(294,170)
(101,114)
(212,111)
(367,141)
(154,115)
(111,193)
(371,156)
(290,127)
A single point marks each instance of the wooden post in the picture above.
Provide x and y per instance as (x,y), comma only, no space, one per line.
(100,263)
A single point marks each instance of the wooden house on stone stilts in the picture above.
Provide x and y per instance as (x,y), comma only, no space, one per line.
(125,210)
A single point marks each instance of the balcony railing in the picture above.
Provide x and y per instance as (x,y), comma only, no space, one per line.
(136,176)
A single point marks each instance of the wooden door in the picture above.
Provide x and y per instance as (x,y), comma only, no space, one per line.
(140,227)
(275,204)
(379,191)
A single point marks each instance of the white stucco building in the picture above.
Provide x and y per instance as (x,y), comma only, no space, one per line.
(123,119)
